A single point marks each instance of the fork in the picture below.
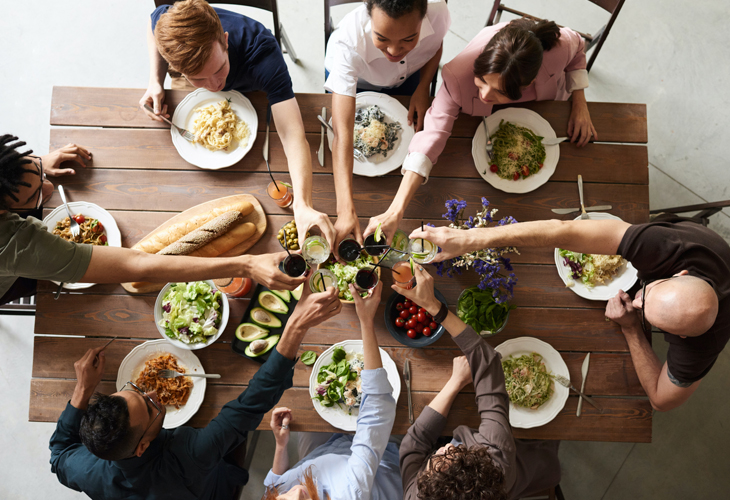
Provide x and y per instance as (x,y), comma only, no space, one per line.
(489,146)
(583,213)
(173,374)
(184,133)
(355,152)
(75,231)
(566,383)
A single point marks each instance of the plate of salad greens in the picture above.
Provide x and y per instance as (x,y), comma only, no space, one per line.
(191,315)
(345,274)
(595,276)
(335,383)
(529,366)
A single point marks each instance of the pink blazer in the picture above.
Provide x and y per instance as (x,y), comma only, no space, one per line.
(459,94)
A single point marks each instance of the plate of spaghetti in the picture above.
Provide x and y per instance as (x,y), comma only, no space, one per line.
(182,396)
(98,227)
(520,162)
(224,125)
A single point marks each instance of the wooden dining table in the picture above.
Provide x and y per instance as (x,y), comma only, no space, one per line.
(138,176)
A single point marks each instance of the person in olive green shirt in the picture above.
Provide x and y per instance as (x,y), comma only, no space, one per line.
(28,252)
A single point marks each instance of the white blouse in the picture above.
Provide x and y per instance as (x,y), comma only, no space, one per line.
(353,60)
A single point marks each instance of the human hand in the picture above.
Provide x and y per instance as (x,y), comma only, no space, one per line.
(264,269)
(421,294)
(621,310)
(368,306)
(307,217)
(70,152)
(280,419)
(346,224)
(154,97)
(315,308)
(389,223)
(418,106)
(580,126)
(461,372)
(453,242)
(89,370)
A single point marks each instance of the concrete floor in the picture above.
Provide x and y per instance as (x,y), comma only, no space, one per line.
(650,57)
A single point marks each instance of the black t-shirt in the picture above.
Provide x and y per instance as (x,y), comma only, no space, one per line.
(661,249)
(255,58)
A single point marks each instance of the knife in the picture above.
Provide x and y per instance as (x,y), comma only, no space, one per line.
(320,153)
(583,214)
(266,140)
(563,211)
(584,373)
(553,142)
(407,376)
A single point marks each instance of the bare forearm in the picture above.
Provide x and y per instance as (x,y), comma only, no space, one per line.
(281,460)
(647,365)
(406,191)
(343,123)
(452,323)
(290,128)
(371,351)
(158,65)
(445,398)
(80,398)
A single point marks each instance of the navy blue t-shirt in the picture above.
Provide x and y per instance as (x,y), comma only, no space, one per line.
(255,58)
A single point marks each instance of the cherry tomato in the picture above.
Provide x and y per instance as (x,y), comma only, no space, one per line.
(433,325)
(421,317)
(516,177)
(400,322)
(98,228)
(540,165)
(525,171)
(411,323)
(399,306)
(421,310)
(494,168)
(426,331)
(513,156)
(102,238)
(79,218)
(407,303)
(404,314)
(413,310)
(411,333)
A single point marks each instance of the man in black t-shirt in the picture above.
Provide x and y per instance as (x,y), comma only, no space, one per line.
(685,273)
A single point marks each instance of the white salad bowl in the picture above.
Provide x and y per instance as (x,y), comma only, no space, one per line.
(225,312)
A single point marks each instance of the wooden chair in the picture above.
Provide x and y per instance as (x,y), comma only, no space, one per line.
(595,42)
(24,306)
(706,210)
(328,29)
(267,5)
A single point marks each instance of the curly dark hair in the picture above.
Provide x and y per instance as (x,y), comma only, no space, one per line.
(462,474)
(398,8)
(105,428)
(515,53)
(12,169)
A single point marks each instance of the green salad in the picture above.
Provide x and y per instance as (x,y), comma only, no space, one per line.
(339,382)
(191,312)
(346,274)
(478,309)
(528,382)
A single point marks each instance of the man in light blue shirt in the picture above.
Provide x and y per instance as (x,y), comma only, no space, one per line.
(346,467)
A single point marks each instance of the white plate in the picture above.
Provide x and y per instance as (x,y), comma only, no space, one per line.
(225,312)
(624,279)
(336,416)
(377,164)
(526,418)
(199,155)
(93,211)
(524,118)
(132,366)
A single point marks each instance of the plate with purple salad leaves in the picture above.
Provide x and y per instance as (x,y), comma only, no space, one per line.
(594,276)
(191,315)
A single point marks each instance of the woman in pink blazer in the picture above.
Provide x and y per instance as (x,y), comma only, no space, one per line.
(518,61)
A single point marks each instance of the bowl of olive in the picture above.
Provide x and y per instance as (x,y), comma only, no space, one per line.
(288,236)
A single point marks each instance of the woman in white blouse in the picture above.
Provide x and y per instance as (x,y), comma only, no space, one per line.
(389,46)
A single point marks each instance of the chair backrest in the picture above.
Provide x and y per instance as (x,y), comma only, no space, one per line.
(267,5)
(328,28)
(607,5)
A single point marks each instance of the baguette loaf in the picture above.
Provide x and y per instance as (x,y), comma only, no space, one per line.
(203,235)
(156,242)
(222,244)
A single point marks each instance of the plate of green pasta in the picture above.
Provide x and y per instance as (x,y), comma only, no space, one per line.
(529,366)
(520,162)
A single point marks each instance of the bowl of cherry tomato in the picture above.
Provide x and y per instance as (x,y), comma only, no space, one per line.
(410,324)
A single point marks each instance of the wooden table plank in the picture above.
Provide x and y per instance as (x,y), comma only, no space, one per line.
(153,150)
(627,420)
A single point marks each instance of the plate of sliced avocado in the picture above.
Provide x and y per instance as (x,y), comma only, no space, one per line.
(264,321)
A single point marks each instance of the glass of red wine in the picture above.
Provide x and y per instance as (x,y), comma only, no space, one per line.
(366,279)
(349,249)
(376,248)
(294,265)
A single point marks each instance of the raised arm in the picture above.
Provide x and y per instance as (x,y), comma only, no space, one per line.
(155,94)
(587,236)
(290,127)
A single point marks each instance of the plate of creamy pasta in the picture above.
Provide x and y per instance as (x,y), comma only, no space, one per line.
(520,162)
(224,125)
(182,396)
(98,227)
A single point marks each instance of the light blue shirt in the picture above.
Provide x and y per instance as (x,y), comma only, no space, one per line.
(371,469)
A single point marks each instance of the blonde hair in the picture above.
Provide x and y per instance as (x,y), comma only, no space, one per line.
(307,480)
(186,33)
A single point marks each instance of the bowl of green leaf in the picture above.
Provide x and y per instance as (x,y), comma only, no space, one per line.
(479,309)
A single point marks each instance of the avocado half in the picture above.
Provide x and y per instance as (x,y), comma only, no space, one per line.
(248,332)
(260,347)
(297,293)
(273,303)
(264,318)
(284,295)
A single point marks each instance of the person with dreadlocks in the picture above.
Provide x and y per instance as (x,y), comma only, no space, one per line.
(29,252)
